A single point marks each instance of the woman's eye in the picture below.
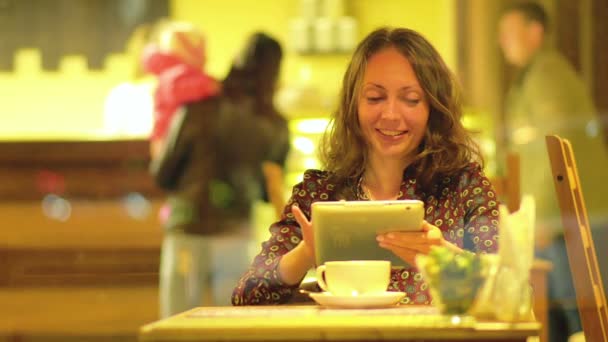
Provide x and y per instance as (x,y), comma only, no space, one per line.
(412,102)
(373,99)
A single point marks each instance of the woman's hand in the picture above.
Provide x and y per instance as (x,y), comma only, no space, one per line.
(295,263)
(407,244)
(308,239)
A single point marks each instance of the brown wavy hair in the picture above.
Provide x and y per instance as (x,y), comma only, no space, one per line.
(447,146)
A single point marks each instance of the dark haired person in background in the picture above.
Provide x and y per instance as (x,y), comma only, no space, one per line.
(548,97)
(213,162)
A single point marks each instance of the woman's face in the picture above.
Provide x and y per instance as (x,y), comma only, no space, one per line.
(393,109)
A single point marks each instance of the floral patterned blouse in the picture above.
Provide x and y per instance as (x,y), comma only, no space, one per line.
(465,209)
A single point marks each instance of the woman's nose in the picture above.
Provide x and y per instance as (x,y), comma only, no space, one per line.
(390,110)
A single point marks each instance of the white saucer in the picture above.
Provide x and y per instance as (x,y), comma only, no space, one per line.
(376,300)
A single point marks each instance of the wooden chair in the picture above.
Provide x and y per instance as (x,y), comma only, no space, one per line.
(588,284)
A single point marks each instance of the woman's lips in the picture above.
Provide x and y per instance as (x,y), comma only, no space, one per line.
(390,132)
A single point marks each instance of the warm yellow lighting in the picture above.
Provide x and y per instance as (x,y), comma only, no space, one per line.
(305,74)
(304,145)
(311,163)
(28,62)
(73,65)
(129,110)
(524,135)
(468,121)
(488,146)
(294,178)
(311,126)
(69,103)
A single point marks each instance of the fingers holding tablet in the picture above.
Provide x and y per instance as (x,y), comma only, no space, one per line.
(307,232)
(407,244)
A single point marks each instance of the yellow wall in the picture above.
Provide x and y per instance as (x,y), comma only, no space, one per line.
(69,103)
(435,19)
(236,19)
(233,20)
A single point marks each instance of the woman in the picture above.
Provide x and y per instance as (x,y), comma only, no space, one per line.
(396,135)
(211,162)
(251,84)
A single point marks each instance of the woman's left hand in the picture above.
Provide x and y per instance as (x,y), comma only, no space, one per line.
(407,244)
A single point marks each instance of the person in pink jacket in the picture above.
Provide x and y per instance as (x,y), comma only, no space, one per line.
(178,60)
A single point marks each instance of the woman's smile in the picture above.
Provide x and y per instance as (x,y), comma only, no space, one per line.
(391,133)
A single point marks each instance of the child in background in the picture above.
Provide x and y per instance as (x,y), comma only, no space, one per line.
(178,60)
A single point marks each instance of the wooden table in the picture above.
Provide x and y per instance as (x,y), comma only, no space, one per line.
(315,323)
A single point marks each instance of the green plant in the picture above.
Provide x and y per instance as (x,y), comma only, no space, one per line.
(454,278)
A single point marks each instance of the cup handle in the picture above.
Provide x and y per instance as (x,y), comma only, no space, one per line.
(321,278)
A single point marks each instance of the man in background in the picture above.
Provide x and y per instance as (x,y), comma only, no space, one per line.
(548,97)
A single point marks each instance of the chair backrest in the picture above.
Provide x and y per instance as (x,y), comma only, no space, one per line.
(508,186)
(588,284)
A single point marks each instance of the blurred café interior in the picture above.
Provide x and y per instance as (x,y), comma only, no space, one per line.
(80,238)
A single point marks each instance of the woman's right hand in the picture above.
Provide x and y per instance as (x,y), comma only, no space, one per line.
(295,263)
(308,240)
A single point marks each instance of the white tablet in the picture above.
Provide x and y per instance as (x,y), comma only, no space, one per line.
(346,230)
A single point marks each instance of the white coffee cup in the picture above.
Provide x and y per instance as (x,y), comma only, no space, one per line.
(354,278)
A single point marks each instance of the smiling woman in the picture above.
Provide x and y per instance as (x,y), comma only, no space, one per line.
(397,134)
(393,114)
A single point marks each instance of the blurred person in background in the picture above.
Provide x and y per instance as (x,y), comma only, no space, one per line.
(212,161)
(548,97)
(252,83)
(178,61)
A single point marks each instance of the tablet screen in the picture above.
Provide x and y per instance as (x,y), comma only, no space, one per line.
(346,230)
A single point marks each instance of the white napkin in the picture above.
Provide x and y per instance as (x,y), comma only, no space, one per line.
(508,273)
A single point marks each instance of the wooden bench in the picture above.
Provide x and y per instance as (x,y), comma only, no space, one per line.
(80,244)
